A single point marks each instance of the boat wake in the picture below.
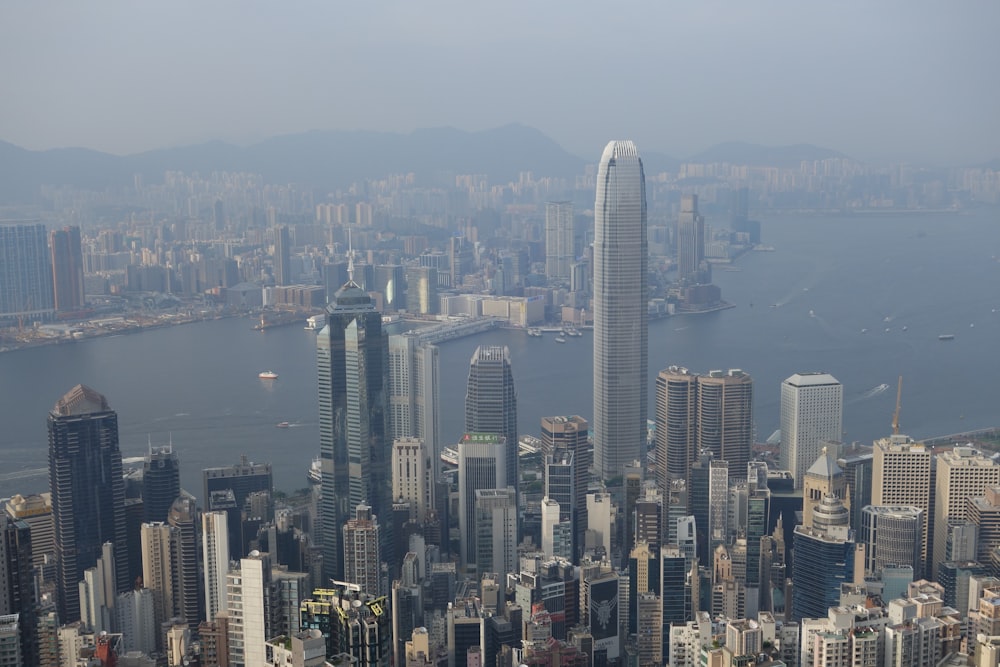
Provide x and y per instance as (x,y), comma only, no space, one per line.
(22,474)
(871,393)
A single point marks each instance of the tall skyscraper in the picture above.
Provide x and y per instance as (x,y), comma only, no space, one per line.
(249,615)
(559,255)
(17,586)
(282,256)
(215,556)
(891,536)
(482,464)
(620,311)
(812,407)
(158,568)
(161,482)
(355,442)
(491,402)
(88,492)
(411,477)
(25,275)
(182,518)
(962,473)
(414,379)
(690,240)
(824,559)
(676,424)
(496,532)
(901,477)
(67,268)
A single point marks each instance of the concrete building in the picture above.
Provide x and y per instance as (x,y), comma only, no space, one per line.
(961,474)
(901,477)
(482,464)
(811,414)
(559,254)
(362,556)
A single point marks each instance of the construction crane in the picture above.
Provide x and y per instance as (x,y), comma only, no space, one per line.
(895,415)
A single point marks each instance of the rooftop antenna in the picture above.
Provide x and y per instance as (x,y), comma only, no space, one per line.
(895,415)
(350,257)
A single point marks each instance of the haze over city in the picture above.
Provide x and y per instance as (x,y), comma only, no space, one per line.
(877,81)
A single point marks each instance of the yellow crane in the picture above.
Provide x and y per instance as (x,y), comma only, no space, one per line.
(895,415)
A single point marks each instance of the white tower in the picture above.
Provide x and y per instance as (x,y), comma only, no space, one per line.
(812,408)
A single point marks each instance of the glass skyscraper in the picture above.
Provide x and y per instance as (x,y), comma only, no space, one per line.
(355,444)
(620,315)
(25,273)
(491,402)
(88,492)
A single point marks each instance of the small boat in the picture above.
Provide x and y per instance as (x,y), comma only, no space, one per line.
(560,339)
(267,375)
(864,331)
(449,455)
(812,313)
(946,337)
(535,332)
(904,327)
(282,424)
(315,474)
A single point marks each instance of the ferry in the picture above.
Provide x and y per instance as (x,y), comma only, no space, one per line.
(572,331)
(449,455)
(946,337)
(560,339)
(267,375)
(535,332)
(315,323)
(282,425)
(315,474)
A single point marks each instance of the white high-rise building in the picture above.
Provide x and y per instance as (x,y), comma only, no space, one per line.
(620,310)
(249,589)
(901,477)
(215,555)
(496,532)
(137,620)
(559,254)
(411,470)
(362,559)
(413,393)
(961,474)
(812,408)
(158,567)
(550,519)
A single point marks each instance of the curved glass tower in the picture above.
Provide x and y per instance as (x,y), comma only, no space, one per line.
(620,316)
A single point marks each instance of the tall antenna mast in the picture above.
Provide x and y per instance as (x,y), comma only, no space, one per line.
(350,257)
(895,415)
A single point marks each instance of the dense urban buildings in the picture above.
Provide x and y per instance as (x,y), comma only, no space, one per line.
(620,313)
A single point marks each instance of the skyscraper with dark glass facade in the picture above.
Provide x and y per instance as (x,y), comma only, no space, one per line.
(25,274)
(352,356)
(491,401)
(88,492)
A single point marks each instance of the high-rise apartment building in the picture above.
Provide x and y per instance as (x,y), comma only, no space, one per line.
(620,310)
(559,255)
(158,560)
(491,402)
(362,556)
(249,621)
(182,518)
(88,492)
(414,379)
(901,477)
(690,240)
(812,406)
(961,474)
(67,268)
(482,464)
(161,482)
(355,442)
(676,424)
(215,557)
(25,274)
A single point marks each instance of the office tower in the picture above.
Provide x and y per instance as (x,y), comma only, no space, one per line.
(857,462)
(600,511)
(690,241)
(496,532)
(491,401)
(35,511)
(182,518)
(355,444)
(620,313)
(676,424)
(362,556)
(67,269)
(161,482)
(891,535)
(390,282)
(718,503)
(824,478)
(414,379)
(215,557)
(961,473)
(249,618)
(825,557)
(97,592)
(559,255)
(569,434)
(422,290)
(758,520)
(17,586)
(811,413)
(649,629)
(461,259)
(158,568)
(411,477)
(25,276)
(282,256)
(647,524)
(901,477)
(88,492)
(984,513)
(136,614)
(482,464)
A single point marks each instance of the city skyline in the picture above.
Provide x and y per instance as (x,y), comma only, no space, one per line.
(735,58)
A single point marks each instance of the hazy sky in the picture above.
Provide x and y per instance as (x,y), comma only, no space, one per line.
(875,79)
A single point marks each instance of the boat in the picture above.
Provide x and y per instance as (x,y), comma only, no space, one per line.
(282,424)
(315,323)
(573,332)
(946,337)
(864,331)
(315,474)
(560,339)
(535,332)
(904,327)
(449,455)
(812,313)
(267,375)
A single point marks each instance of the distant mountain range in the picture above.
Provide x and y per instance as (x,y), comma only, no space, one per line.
(330,159)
